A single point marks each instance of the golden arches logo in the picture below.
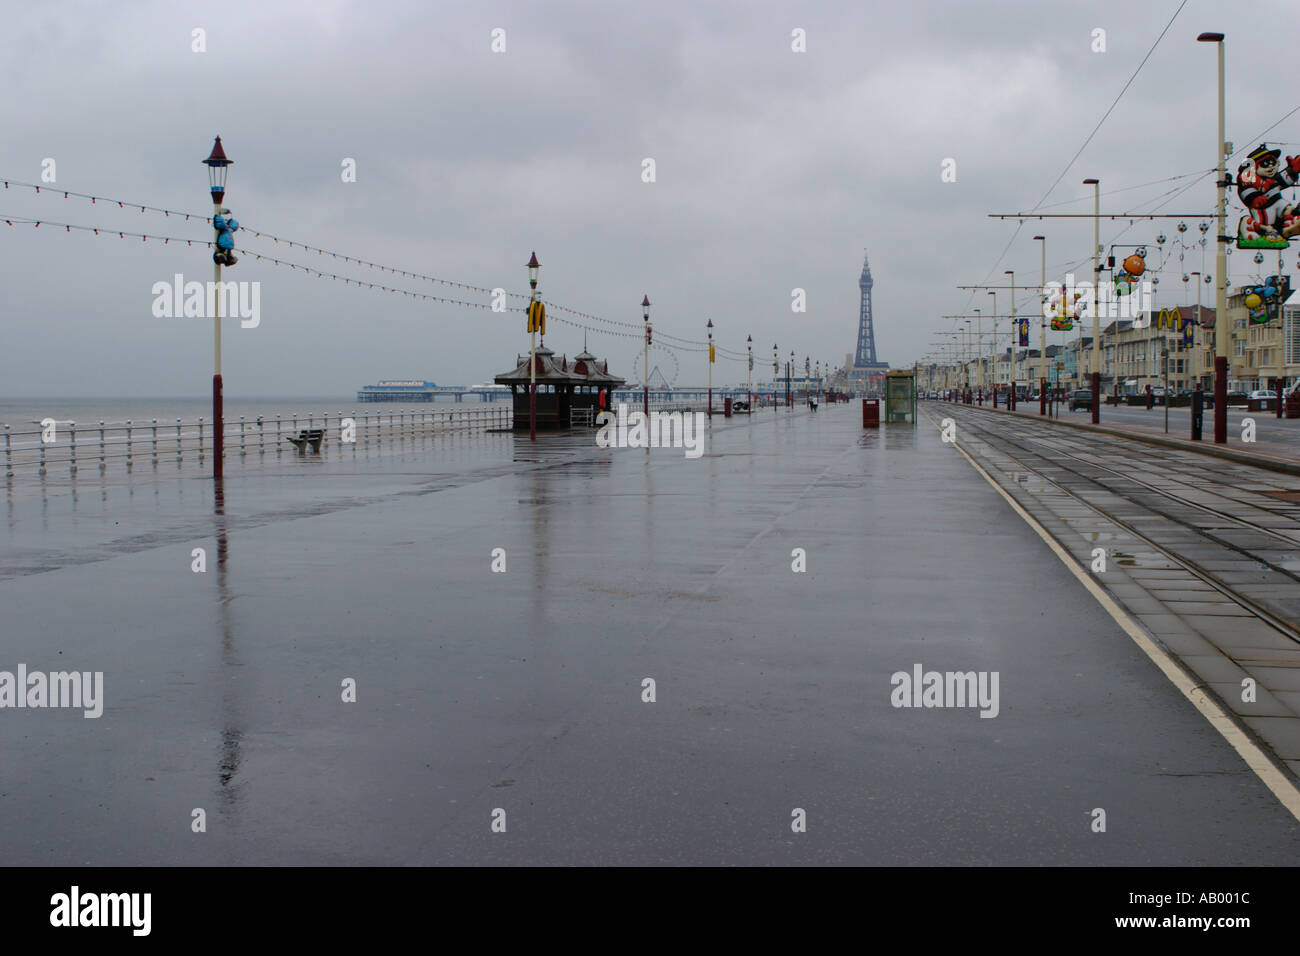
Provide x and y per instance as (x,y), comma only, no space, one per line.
(1169,319)
(537,317)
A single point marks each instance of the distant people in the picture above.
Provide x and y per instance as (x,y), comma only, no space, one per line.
(813,401)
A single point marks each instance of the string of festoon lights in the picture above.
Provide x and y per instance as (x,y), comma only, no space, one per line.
(637,329)
(12,220)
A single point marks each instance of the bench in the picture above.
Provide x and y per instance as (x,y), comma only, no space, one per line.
(308,436)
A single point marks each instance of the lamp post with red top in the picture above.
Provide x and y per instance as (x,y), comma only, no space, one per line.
(533,268)
(645,361)
(217,163)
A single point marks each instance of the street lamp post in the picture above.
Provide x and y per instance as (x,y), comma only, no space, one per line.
(965,360)
(979,359)
(749,374)
(789,391)
(710,326)
(1015,338)
(533,267)
(645,360)
(993,348)
(1042,333)
(217,163)
(1096,298)
(776,369)
(1222,331)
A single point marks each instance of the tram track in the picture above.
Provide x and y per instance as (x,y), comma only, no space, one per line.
(1050,457)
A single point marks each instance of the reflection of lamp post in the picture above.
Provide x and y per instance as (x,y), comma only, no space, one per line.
(533,267)
(645,362)
(710,327)
(1222,331)
(1042,333)
(217,163)
(1096,299)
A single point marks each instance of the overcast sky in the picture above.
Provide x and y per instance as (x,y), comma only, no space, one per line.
(775,170)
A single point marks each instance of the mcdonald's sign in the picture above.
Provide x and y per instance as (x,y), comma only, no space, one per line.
(1169,319)
(537,317)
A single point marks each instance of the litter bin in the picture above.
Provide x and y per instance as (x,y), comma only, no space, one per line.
(726,408)
(1293,404)
(871,413)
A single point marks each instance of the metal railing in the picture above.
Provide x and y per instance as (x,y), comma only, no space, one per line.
(130,442)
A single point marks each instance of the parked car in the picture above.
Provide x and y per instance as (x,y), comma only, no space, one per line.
(1238,398)
(1081,398)
(1263,393)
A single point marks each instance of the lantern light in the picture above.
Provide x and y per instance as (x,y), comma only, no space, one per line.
(217,163)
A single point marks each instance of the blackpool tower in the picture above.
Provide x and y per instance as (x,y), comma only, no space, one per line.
(867,374)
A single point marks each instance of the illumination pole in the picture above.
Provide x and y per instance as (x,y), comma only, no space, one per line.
(965,360)
(993,348)
(749,374)
(776,368)
(710,327)
(789,391)
(1096,298)
(217,163)
(1015,338)
(1198,314)
(645,360)
(1042,331)
(533,267)
(979,359)
(1222,330)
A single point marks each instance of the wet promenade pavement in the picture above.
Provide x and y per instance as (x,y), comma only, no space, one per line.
(523,691)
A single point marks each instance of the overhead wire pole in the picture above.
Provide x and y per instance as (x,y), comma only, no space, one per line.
(993,348)
(1015,338)
(1222,330)
(1096,298)
(1042,331)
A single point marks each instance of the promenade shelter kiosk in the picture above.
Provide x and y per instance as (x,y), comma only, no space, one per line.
(592,377)
(561,388)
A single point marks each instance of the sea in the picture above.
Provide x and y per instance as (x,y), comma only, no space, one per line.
(22,413)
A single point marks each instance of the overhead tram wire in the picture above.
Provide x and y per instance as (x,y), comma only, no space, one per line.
(1078,153)
(1112,106)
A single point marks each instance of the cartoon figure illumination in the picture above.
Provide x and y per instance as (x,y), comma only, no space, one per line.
(1270,220)
(1133,268)
(1264,302)
(1064,315)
